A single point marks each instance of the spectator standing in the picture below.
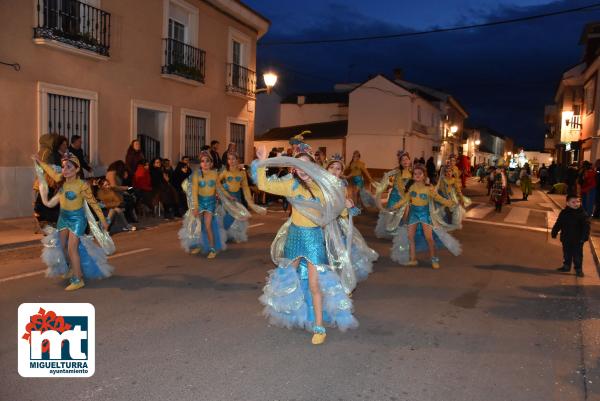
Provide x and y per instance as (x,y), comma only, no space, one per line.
(60,148)
(525,178)
(571,179)
(75,148)
(214,154)
(168,168)
(543,175)
(552,173)
(430,167)
(573,223)
(181,173)
(134,156)
(587,182)
(162,188)
(230,148)
(597,208)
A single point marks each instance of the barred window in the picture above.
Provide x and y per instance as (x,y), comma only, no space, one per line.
(195,135)
(238,136)
(70,116)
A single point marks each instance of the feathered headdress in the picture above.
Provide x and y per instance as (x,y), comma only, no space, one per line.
(298,139)
(401,153)
(336,158)
(68,156)
(304,148)
(205,153)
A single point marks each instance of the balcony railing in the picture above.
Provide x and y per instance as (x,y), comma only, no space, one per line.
(74,23)
(421,128)
(183,60)
(241,80)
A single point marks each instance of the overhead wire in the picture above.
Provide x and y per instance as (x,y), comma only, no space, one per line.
(590,7)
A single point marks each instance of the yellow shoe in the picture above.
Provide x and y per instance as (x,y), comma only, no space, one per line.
(195,251)
(435,263)
(319,335)
(212,254)
(76,283)
(411,263)
(318,338)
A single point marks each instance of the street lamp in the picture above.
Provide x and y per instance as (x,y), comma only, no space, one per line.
(453,129)
(270,79)
(477,142)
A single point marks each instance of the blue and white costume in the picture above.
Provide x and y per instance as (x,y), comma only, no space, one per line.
(311,235)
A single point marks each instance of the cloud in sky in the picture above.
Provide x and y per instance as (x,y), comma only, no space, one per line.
(503,75)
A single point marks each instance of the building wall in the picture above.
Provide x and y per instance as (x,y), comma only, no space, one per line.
(268,112)
(537,158)
(294,114)
(130,76)
(379,108)
(380,118)
(384,118)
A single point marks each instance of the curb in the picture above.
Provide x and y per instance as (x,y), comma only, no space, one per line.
(590,241)
(25,244)
(18,245)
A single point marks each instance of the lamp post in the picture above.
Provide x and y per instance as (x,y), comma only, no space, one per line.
(270,79)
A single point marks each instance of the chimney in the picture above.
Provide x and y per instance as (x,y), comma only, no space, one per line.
(398,74)
(301,100)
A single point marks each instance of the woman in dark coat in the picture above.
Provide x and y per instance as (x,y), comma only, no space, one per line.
(134,156)
(181,173)
(162,188)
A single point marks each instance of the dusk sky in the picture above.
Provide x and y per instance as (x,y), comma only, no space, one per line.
(503,75)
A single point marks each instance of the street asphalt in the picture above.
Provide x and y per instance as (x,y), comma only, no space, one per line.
(494,324)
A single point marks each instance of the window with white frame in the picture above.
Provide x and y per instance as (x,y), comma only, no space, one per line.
(181,22)
(176,30)
(589,94)
(237,135)
(68,116)
(195,135)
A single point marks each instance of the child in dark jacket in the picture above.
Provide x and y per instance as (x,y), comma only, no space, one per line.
(573,223)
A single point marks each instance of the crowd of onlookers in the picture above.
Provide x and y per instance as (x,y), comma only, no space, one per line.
(575,179)
(131,188)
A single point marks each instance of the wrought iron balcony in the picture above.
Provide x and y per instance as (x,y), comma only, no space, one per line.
(421,128)
(241,80)
(183,60)
(74,23)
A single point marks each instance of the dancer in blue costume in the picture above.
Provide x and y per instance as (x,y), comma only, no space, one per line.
(67,250)
(361,256)
(234,215)
(390,218)
(201,231)
(357,172)
(310,286)
(425,229)
(450,188)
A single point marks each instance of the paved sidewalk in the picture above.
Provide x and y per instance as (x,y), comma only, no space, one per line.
(18,232)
